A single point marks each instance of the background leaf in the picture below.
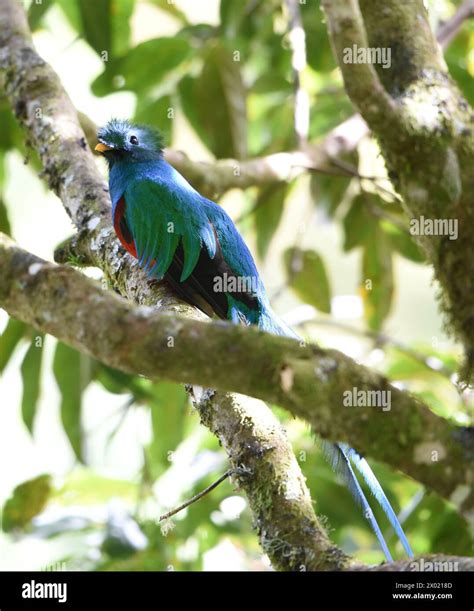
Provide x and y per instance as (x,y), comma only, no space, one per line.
(328,192)
(359,223)
(231,13)
(156,112)
(96,23)
(14,332)
(167,417)
(377,278)
(134,67)
(269,207)
(215,103)
(307,277)
(27,501)
(72,373)
(31,375)
(5,226)
(36,12)
(403,243)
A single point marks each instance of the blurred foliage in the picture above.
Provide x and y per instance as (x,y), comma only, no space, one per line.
(27,501)
(72,373)
(307,277)
(31,374)
(233,82)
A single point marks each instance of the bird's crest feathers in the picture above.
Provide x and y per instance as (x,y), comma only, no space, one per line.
(121,134)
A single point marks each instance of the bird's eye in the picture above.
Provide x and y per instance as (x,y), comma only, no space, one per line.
(133,140)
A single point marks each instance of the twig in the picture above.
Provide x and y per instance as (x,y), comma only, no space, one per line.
(353,171)
(448,30)
(199,495)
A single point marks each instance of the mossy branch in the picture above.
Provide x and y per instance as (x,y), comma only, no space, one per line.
(308,381)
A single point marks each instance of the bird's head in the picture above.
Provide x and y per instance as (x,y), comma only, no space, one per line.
(122,140)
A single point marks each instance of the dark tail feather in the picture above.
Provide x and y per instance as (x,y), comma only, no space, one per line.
(376,489)
(339,460)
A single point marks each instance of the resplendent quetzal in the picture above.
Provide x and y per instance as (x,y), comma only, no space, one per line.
(180,236)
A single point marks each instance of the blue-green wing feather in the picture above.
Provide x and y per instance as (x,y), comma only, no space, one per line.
(159,219)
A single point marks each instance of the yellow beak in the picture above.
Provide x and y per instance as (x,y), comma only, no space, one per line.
(101,148)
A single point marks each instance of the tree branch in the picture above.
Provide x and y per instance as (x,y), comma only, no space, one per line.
(216,177)
(364,87)
(308,381)
(429,562)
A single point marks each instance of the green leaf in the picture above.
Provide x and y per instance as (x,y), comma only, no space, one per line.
(5,226)
(377,278)
(403,243)
(247,22)
(72,13)
(328,191)
(401,366)
(10,130)
(277,128)
(332,110)
(168,410)
(231,14)
(215,103)
(456,57)
(27,501)
(31,375)
(359,224)
(122,11)
(113,380)
(96,17)
(171,8)
(318,46)
(272,83)
(198,34)
(119,382)
(135,66)
(307,277)
(83,486)
(268,211)
(36,12)
(72,372)
(9,340)
(156,112)
(104,23)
